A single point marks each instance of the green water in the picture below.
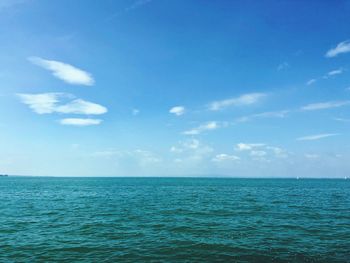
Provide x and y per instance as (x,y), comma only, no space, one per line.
(174,220)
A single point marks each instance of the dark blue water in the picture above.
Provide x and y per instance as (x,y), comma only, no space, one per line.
(174,220)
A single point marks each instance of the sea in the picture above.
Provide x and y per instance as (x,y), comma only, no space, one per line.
(52,219)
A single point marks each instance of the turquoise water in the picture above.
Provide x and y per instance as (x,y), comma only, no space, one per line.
(174,220)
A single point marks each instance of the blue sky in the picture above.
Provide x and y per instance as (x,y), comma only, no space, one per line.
(175,88)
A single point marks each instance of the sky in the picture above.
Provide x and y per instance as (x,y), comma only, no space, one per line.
(175,88)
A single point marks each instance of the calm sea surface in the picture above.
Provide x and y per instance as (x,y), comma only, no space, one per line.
(174,220)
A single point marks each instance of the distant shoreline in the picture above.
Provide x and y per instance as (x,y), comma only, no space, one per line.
(176,177)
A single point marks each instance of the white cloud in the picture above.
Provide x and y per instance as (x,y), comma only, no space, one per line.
(335,72)
(248,146)
(177,110)
(342,47)
(325,105)
(225,157)
(243,100)
(212,125)
(258,151)
(79,106)
(80,122)
(41,103)
(269,114)
(65,72)
(311,81)
(316,136)
(45,103)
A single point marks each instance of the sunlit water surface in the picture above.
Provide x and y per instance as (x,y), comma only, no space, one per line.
(174,220)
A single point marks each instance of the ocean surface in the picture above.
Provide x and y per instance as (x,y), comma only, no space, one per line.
(174,220)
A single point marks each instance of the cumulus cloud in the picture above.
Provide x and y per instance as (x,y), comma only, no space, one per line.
(177,110)
(225,157)
(325,105)
(316,136)
(65,72)
(341,48)
(258,151)
(80,122)
(212,125)
(45,103)
(243,100)
(248,146)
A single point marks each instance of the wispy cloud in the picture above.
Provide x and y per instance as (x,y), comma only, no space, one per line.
(310,82)
(177,110)
(65,72)
(335,72)
(325,105)
(225,157)
(243,100)
(45,103)
(329,74)
(268,114)
(80,122)
(316,136)
(341,48)
(212,125)
(342,119)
